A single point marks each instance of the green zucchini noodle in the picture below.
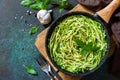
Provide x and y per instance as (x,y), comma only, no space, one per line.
(64,50)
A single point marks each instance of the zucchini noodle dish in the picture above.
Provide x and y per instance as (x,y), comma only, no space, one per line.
(78,44)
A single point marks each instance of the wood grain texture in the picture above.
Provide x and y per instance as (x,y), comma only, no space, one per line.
(40,44)
(107,12)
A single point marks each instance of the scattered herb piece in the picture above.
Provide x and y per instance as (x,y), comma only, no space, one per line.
(31,70)
(33,30)
(26,3)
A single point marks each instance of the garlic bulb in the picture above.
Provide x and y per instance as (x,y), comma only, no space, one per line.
(44,16)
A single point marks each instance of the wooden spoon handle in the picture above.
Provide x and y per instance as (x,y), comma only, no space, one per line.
(107,12)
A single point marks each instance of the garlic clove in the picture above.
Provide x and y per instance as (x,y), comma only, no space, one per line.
(49,11)
(41,13)
(44,16)
(44,21)
(47,16)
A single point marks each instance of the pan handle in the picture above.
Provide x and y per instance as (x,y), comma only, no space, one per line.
(107,12)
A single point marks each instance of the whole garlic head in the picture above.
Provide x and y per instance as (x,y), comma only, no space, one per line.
(44,16)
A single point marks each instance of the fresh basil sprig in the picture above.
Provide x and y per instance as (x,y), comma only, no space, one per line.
(43,4)
(86,47)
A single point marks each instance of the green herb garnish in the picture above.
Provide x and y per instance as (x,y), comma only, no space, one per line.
(26,3)
(31,70)
(62,5)
(79,42)
(85,48)
(43,4)
(33,30)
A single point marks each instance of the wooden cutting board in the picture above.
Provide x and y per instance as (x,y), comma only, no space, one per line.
(40,44)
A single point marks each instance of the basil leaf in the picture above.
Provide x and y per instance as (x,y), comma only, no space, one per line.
(63,2)
(88,48)
(33,30)
(91,47)
(43,4)
(46,2)
(95,48)
(61,9)
(26,3)
(62,5)
(38,1)
(31,70)
(38,6)
(79,42)
(83,51)
(68,6)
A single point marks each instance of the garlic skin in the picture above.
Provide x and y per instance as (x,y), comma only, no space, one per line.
(44,16)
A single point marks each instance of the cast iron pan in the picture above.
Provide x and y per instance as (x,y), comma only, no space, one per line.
(101,16)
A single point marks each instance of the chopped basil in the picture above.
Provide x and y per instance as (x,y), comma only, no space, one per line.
(33,30)
(31,70)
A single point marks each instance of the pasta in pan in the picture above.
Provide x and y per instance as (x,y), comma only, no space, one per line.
(78,44)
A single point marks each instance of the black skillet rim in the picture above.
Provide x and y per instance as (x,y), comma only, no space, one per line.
(51,29)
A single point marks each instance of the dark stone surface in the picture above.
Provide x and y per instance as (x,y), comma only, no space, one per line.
(16,44)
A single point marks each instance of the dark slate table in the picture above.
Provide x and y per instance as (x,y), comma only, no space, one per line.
(17,45)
